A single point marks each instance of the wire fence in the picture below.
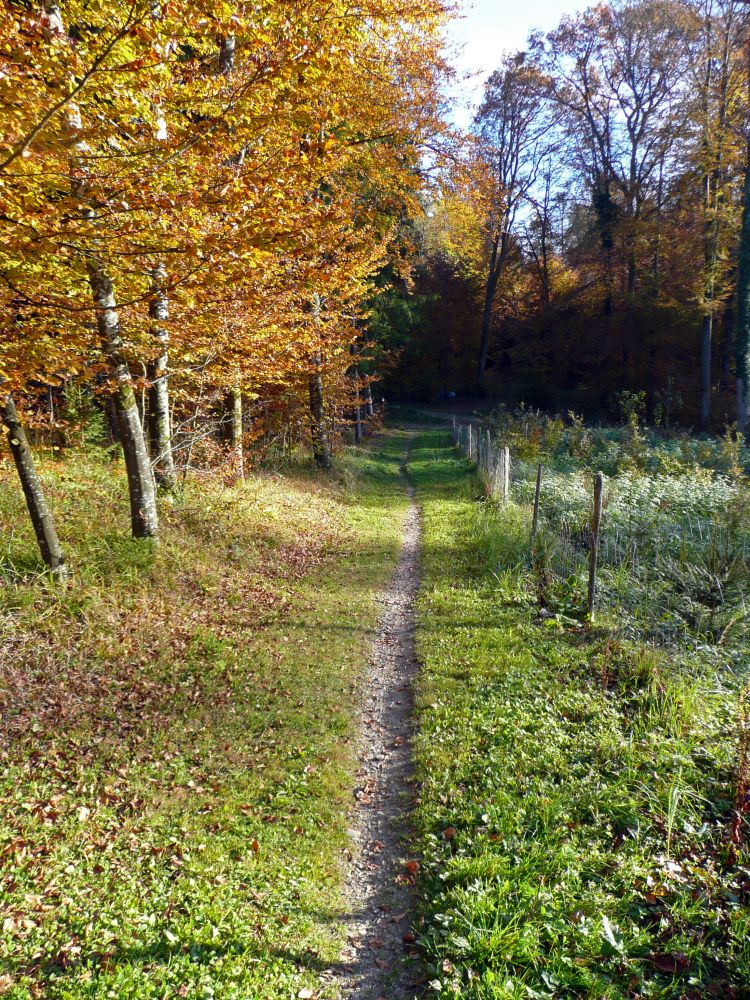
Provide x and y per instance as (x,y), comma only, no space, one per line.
(652,567)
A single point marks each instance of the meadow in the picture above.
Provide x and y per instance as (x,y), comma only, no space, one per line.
(584,784)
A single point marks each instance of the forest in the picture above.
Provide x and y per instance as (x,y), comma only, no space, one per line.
(589,242)
(374,500)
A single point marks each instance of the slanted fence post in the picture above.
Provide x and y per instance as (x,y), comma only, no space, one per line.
(596,521)
(537,495)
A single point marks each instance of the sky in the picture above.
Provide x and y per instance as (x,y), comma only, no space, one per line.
(490,27)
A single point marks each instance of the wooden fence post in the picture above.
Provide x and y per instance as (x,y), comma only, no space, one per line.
(596,521)
(537,494)
(506,473)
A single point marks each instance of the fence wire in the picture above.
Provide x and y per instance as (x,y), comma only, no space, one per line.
(665,576)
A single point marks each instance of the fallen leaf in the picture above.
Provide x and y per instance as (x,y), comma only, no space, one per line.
(671,963)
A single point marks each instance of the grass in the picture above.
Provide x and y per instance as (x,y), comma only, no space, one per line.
(576,793)
(178,753)
(177,731)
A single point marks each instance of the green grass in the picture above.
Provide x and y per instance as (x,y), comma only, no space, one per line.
(576,793)
(177,750)
(178,753)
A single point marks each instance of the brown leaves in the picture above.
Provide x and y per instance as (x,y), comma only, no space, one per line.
(671,963)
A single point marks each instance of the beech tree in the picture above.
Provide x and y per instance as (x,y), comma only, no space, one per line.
(157,230)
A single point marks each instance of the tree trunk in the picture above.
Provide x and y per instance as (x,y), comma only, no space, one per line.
(489,298)
(711,185)
(143,513)
(41,516)
(706,337)
(236,431)
(357,408)
(320,445)
(632,272)
(742,320)
(606,214)
(727,337)
(369,408)
(160,432)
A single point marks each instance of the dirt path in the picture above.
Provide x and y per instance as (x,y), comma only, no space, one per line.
(375,963)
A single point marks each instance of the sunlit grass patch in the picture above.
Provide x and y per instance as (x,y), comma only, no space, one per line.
(577,791)
(178,731)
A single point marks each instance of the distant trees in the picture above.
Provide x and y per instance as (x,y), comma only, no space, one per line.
(514,126)
(615,72)
(614,150)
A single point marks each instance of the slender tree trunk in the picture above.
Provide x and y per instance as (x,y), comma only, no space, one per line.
(742,327)
(743,406)
(493,277)
(237,430)
(320,445)
(606,213)
(41,515)
(711,189)
(160,431)
(706,338)
(143,512)
(369,408)
(727,337)
(632,273)
(357,408)
(656,257)
(159,413)
(545,266)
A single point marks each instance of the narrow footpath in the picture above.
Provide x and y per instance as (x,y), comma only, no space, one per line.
(376,962)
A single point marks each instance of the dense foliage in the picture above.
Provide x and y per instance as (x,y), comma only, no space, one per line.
(194,200)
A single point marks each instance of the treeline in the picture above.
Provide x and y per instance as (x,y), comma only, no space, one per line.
(194,199)
(593,241)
